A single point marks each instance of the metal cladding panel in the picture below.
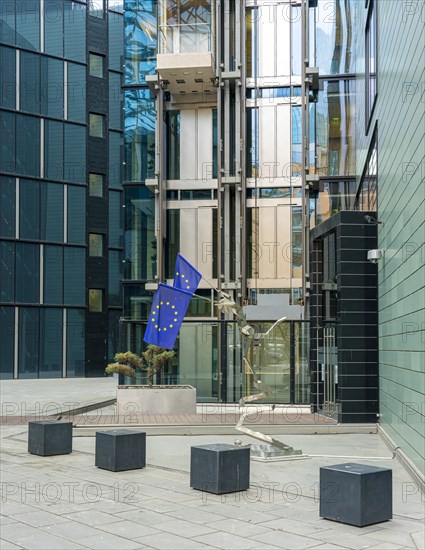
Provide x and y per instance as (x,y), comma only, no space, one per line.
(283,42)
(267,142)
(267,240)
(188,139)
(283,139)
(204,144)
(283,248)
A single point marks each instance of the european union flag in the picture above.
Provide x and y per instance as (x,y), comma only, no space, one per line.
(186,276)
(168,310)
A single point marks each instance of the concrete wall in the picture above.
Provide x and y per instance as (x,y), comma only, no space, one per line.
(400,113)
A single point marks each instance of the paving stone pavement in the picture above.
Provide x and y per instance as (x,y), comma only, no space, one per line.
(65,502)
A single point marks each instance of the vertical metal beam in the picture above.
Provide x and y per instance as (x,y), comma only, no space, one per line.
(161,185)
(64,341)
(16,344)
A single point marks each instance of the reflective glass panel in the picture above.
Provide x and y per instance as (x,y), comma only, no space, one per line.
(75,342)
(115,159)
(75,152)
(140,21)
(74,270)
(52,85)
(76,92)
(95,245)
(7,141)
(28,350)
(27,273)
(29,209)
(115,101)
(53,150)
(28,24)
(53,274)
(7,25)
(51,212)
(173,145)
(29,82)
(7,342)
(7,77)
(27,145)
(116,41)
(76,214)
(140,121)
(96,65)
(95,300)
(115,277)
(7,271)
(335,124)
(53,27)
(7,206)
(75,31)
(51,323)
(96,185)
(96,8)
(116,219)
(96,125)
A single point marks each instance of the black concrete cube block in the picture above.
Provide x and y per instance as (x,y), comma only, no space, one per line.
(219,468)
(356,494)
(118,450)
(49,437)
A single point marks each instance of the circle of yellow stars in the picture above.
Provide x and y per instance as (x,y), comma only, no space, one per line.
(184,279)
(154,317)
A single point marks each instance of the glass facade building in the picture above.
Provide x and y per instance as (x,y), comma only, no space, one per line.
(61,234)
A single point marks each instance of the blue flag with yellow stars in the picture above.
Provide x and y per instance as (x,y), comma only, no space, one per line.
(168,310)
(186,276)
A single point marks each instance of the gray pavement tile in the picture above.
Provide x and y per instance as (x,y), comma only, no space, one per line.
(419,539)
(4,520)
(15,507)
(64,507)
(328,546)
(143,516)
(286,540)
(197,515)
(241,512)
(388,535)
(400,524)
(38,518)
(93,518)
(293,526)
(185,528)
(237,527)
(227,540)
(129,529)
(72,530)
(168,541)
(32,538)
(388,546)
(352,542)
(157,505)
(108,541)
(115,506)
(5,545)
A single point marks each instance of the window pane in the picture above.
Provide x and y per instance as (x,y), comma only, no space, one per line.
(75,152)
(7,77)
(7,142)
(53,150)
(115,277)
(74,275)
(297,241)
(113,333)
(96,185)
(75,31)
(97,123)
(115,219)
(95,300)
(27,273)
(95,245)
(28,24)
(76,214)
(140,40)
(53,274)
(115,163)
(115,102)
(75,343)
(140,122)
(76,92)
(53,27)
(96,65)
(29,209)
(7,341)
(28,342)
(296,145)
(29,82)
(7,271)
(116,41)
(51,209)
(52,83)
(96,8)
(173,145)
(7,26)
(28,145)
(51,322)
(7,206)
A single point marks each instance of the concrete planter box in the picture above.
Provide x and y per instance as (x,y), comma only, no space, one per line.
(119,450)
(49,437)
(155,400)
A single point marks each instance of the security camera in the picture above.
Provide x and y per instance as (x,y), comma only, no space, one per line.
(375,255)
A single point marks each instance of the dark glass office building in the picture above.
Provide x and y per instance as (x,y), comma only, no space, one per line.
(60,186)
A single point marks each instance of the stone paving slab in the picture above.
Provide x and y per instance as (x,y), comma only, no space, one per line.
(66,502)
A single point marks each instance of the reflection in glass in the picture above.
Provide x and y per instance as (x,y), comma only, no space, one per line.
(27,273)
(173,145)
(7,77)
(336,196)
(332,39)
(95,300)
(302,366)
(96,185)
(115,277)
(96,125)
(29,209)
(371,59)
(140,22)
(335,119)
(27,145)
(7,271)
(53,274)
(75,31)
(140,240)
(27,23)
(51,212)
(96,65)
(76,214)
(95,245)
(297,242)
(140,119)
(7,206)
(74,275)
(116,226)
